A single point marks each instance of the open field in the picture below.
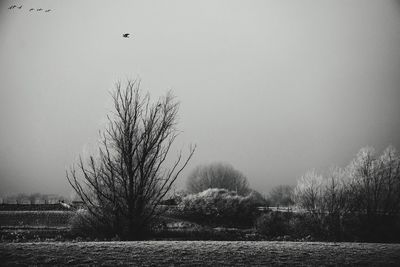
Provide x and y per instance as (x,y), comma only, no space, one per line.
(211,253)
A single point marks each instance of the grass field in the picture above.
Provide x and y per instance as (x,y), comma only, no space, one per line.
(47,218)
(210,253)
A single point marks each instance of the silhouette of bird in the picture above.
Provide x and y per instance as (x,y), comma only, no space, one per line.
(31,9)
(20,7)
(47,10)
(39,9)
(11,7)
(126,35)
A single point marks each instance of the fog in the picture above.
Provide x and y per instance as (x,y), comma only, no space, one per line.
(274,88)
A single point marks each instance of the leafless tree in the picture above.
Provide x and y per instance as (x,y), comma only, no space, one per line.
(123,185)
(336,200)
(308,191)
(375,182)
(389,170)
(217,175)
(336,192)
(281,195)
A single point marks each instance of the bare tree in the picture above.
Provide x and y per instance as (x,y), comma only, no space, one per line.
(308,191)
(336,200)
(336,192)
(281,195)
(217,175)
(123,185)
(375,182)
(389,170)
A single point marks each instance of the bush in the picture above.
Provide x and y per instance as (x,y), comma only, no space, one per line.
(326,227)
(217,175)
(302,225)
(219,207)
(273,224)
(383,228)
(296,225)
(84,224)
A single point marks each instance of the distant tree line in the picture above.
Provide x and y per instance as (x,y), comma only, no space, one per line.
(35,198)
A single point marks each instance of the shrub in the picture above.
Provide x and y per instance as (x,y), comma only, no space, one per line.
(217,175)
(273,224)
(295,225)
(83,224)
(303,225)
(219,207)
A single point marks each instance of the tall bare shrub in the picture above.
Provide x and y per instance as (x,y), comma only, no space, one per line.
(123,185)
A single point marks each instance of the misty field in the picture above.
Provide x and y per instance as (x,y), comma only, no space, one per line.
(211,253)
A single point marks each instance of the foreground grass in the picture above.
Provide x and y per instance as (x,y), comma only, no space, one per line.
(211,253)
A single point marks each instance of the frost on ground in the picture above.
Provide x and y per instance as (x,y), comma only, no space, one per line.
(212,253)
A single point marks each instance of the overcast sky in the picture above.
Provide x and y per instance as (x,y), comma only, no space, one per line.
(274,88)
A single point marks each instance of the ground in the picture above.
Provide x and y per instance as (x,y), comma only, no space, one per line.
(211,253)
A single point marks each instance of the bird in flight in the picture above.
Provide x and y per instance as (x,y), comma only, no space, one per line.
(126,35)
(11,7)
(39,9)
(31,9)
(20,7)
(47,10)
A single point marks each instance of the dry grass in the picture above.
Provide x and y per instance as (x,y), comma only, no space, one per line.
(211,253)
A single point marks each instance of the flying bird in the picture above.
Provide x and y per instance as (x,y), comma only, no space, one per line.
(11,7)
(47,10)
(39,9)
(20,7)
(126,35)
(31,9)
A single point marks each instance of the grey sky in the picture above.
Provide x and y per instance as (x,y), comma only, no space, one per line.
(272,87)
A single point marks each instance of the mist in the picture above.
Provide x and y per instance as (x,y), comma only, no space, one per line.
(274,88)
